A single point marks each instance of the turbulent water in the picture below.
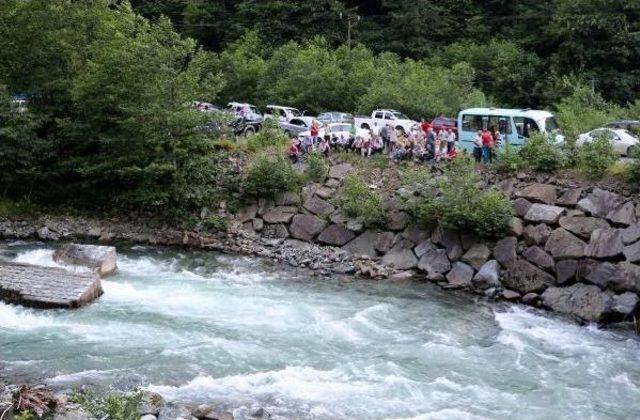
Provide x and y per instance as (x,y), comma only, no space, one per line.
(242,334)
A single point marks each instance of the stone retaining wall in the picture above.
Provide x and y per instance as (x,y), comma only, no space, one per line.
(573,250)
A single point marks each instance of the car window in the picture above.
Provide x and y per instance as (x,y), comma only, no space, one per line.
(296,122)
(550,124)
(378,115)
(526,126)
(400,116)
(471,122)
(501,123)
(388,116)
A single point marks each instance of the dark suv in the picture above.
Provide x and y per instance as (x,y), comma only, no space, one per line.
(444,123)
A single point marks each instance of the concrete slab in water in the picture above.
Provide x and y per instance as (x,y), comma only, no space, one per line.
(47,287)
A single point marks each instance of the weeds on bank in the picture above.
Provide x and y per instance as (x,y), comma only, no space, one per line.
(355,199)
(113,406)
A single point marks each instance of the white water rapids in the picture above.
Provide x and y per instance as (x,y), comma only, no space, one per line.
(244,334)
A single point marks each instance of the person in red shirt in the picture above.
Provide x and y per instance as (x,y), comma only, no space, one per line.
(425,126)
(293,152)
(487,145)
(314,130)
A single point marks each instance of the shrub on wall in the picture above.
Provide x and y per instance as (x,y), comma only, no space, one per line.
(594,158)
(357,200)
(268,175)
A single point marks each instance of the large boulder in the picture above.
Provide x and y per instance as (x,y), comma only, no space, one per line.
(401,256)
(521,206)
(423,247)
(288,198)
(623,215)
(384,241)
(524,277)
(632,252)
(477,255)
(570,197)
(450,240)
(336,235)
(306,226)
(603,275)
(488,276)
(600,202)
(536,234)
(247,213)
(340,171)
(587,302)
(505,251)
(628,277)
(605,243)
(544,213)
(363,245)
(461,275)
(539,257)
(318,206)
(435,262)
(625,305)
(277,231)
(563,245)
(280,214)
(397,220)
(102,259)
(631,234)
(539,193)
(565,271)
(582,226)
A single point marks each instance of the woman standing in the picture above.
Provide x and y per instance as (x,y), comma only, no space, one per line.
(477,146)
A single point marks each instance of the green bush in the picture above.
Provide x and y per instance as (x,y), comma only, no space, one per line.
(270,135)
(317,168)
(595,157)
(25,415)
(508,160)
(215,223)
(463,206)
(113,406)
(268,175)
(633,170)
(357,200)
(541,154)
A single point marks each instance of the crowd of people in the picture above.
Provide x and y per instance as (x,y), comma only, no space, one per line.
(424,144)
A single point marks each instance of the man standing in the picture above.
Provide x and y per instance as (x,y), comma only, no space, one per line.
(487,144)
(384,133)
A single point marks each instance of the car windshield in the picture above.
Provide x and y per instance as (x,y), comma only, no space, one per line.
(550,125)
(295,112)
(400,115)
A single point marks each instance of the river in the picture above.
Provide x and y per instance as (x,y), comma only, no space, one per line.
(244,334)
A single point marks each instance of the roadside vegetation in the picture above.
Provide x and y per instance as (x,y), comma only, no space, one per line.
(357,200)
(462,205)
(113,405)
(110,128)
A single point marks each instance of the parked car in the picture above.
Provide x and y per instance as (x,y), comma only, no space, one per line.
(296,126)
(240,109)
(206,107)
(624,143)
(335,117)
(381,117)
(283,113)
(337,130)
(444,123)
(630,125)
(244,126)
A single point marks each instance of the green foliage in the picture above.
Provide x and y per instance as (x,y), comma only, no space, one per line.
(355,199)
(268,175)
(113,406)
(463,206)
(595,157)
(25,415)
(633,170)
(541,154)
(508,160)
(269,136)
(583,110)
(215,223)
(317,168)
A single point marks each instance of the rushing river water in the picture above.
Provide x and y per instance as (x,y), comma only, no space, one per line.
(244,334)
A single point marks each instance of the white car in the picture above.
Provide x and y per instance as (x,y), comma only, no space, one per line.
(624,143)
(337,130)
(285,113)
(382,117)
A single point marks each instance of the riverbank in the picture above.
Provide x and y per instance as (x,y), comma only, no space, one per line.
(241,333)
(572,248)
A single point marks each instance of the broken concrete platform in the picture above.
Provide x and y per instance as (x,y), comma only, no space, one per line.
(47,287)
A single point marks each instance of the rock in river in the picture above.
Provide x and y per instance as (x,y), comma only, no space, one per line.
(100,258)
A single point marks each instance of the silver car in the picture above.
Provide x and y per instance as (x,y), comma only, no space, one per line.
(335,117)
(295,126)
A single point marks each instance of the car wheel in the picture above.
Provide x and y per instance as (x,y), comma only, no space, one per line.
(365,126)
(249,130)
(287,133)
(400,130)
(631,151)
